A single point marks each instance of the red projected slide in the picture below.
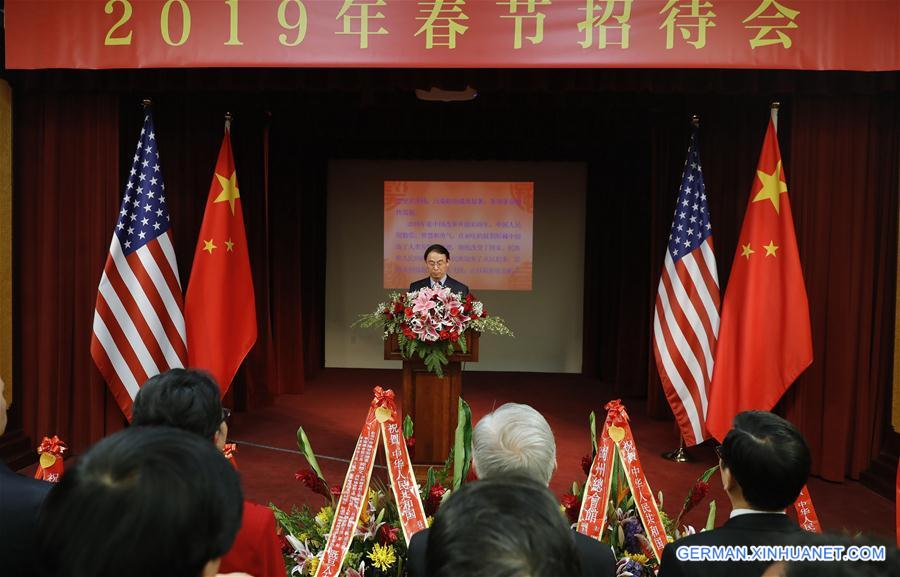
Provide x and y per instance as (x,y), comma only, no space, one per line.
(486,226)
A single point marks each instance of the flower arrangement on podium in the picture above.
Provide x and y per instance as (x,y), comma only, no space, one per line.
(432,323)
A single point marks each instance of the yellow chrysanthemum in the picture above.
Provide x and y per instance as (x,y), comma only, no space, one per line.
(312,564)
(637,557)
(670,539)
(429,521)
(382,557)
(323,517)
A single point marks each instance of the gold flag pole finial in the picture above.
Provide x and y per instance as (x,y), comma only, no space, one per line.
(695,121)
(147,103)
(228,121)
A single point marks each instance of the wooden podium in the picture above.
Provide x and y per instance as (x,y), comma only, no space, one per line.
(431,401)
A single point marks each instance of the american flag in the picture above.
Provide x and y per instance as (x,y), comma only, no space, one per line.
(686,320)
(138,321)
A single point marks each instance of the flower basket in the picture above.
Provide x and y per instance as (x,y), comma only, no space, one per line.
(433,324)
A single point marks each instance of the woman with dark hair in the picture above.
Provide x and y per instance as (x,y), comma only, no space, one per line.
(144,502)
(190,400)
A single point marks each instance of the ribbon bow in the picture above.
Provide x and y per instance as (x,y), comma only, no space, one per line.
(383,398)
(615,413)
(53,446)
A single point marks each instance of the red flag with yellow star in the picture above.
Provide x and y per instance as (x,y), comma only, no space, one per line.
(765,340)
(220,310)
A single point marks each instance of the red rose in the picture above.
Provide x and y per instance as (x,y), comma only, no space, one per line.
(572,506)
(411,446)
(444,335)
(483,313)
(388,315)
(388,534)
(586,463)
(408,312)
(398,307)
(454,336)
(454,311)
(335,491)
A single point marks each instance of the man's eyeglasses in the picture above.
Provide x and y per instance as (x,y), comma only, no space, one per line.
(226,414)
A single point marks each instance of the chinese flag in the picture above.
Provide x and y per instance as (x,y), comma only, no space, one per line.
(765,340)
(220,312)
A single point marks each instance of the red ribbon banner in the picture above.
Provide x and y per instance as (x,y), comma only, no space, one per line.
(383,419)
(50,466)
(806,513)
(592,519)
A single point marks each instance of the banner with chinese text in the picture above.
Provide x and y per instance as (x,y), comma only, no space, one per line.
(782,34)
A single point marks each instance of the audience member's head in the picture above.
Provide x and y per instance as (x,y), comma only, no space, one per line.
(146,501)
(514,439)
(504,527)
(765,462)
(888,566)
(3,407)
(184,399)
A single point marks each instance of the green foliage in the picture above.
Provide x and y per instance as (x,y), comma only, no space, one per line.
(711,518)
(307,450)
(463,444)
(407,427)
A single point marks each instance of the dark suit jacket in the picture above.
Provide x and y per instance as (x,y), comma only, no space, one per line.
(451,282)
(754,529)
(596,558)
(20,502)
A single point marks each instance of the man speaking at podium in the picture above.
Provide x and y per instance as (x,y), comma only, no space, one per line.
(437,259)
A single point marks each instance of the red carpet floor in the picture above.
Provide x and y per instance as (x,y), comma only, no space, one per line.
(333,407)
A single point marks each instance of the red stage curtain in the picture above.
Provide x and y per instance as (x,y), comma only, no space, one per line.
(843,180)
(66,183)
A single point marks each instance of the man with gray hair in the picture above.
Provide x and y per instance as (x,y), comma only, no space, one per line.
(512,440)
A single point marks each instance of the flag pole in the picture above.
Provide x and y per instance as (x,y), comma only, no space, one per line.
(227,122)
(774,108)
(680,455)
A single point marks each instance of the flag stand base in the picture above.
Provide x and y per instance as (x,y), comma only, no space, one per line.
(679,455)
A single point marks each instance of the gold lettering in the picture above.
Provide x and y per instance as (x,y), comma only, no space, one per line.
(300,25)
(530,7)
(126,15)
(233,24)
(594,18)
(694,16)
(441,25)
(363,17)
(185,22)
(781,18)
